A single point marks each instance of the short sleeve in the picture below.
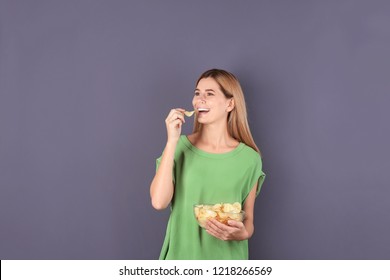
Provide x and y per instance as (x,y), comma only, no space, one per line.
(256,176)
(260,182)
(158,161)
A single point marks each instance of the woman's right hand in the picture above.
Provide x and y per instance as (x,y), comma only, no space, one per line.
(174,121)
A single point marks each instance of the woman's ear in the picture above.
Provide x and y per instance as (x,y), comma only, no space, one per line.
(231,105)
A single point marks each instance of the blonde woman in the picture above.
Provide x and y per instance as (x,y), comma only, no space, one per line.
(218,162)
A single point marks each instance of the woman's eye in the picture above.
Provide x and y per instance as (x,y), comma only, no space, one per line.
(196,93)
(210,94)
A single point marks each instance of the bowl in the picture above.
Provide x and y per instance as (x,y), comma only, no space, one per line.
(222,212)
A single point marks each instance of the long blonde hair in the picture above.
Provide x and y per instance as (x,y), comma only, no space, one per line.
(238,126)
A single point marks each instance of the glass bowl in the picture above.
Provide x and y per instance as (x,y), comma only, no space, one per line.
(204,212)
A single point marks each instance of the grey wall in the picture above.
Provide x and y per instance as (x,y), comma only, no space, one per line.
(85,87)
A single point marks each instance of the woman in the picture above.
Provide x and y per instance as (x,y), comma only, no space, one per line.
(219,162)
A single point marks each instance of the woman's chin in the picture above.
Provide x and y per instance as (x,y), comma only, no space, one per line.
(202,121)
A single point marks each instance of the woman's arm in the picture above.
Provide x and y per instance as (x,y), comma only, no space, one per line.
(161,188)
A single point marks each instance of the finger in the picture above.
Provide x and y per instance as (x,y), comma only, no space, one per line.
(215,234)
(177,123)
(178,118)
(177,111)
(172,112)
(176,115)
(181,117)
(174,121)
(235,224)
(211,232)
(221,236)
(217,226)
(210,226)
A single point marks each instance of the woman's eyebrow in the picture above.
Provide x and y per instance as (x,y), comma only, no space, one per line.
(209,89)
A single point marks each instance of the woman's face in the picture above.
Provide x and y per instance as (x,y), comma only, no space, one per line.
(210,103)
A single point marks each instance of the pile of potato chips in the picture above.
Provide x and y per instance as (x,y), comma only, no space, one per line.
(222,212)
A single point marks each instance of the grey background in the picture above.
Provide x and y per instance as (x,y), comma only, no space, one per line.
(85,87)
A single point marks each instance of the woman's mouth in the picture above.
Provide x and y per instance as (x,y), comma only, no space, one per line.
(202,111)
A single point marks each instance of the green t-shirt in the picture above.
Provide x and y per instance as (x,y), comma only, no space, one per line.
(207,178)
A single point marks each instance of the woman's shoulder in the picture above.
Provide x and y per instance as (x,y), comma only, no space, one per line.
(190,137)
(184,144)
(250,153)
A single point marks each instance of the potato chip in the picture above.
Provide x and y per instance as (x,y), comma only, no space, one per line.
(217,207)
(223,212)
(207,207)
(236,207)
(189,113)
(227,207)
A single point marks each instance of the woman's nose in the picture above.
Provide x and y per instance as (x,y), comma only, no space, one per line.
(202,96)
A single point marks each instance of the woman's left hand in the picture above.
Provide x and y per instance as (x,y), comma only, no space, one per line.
(233,231)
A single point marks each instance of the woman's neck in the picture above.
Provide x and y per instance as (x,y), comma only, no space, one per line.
(215,139)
